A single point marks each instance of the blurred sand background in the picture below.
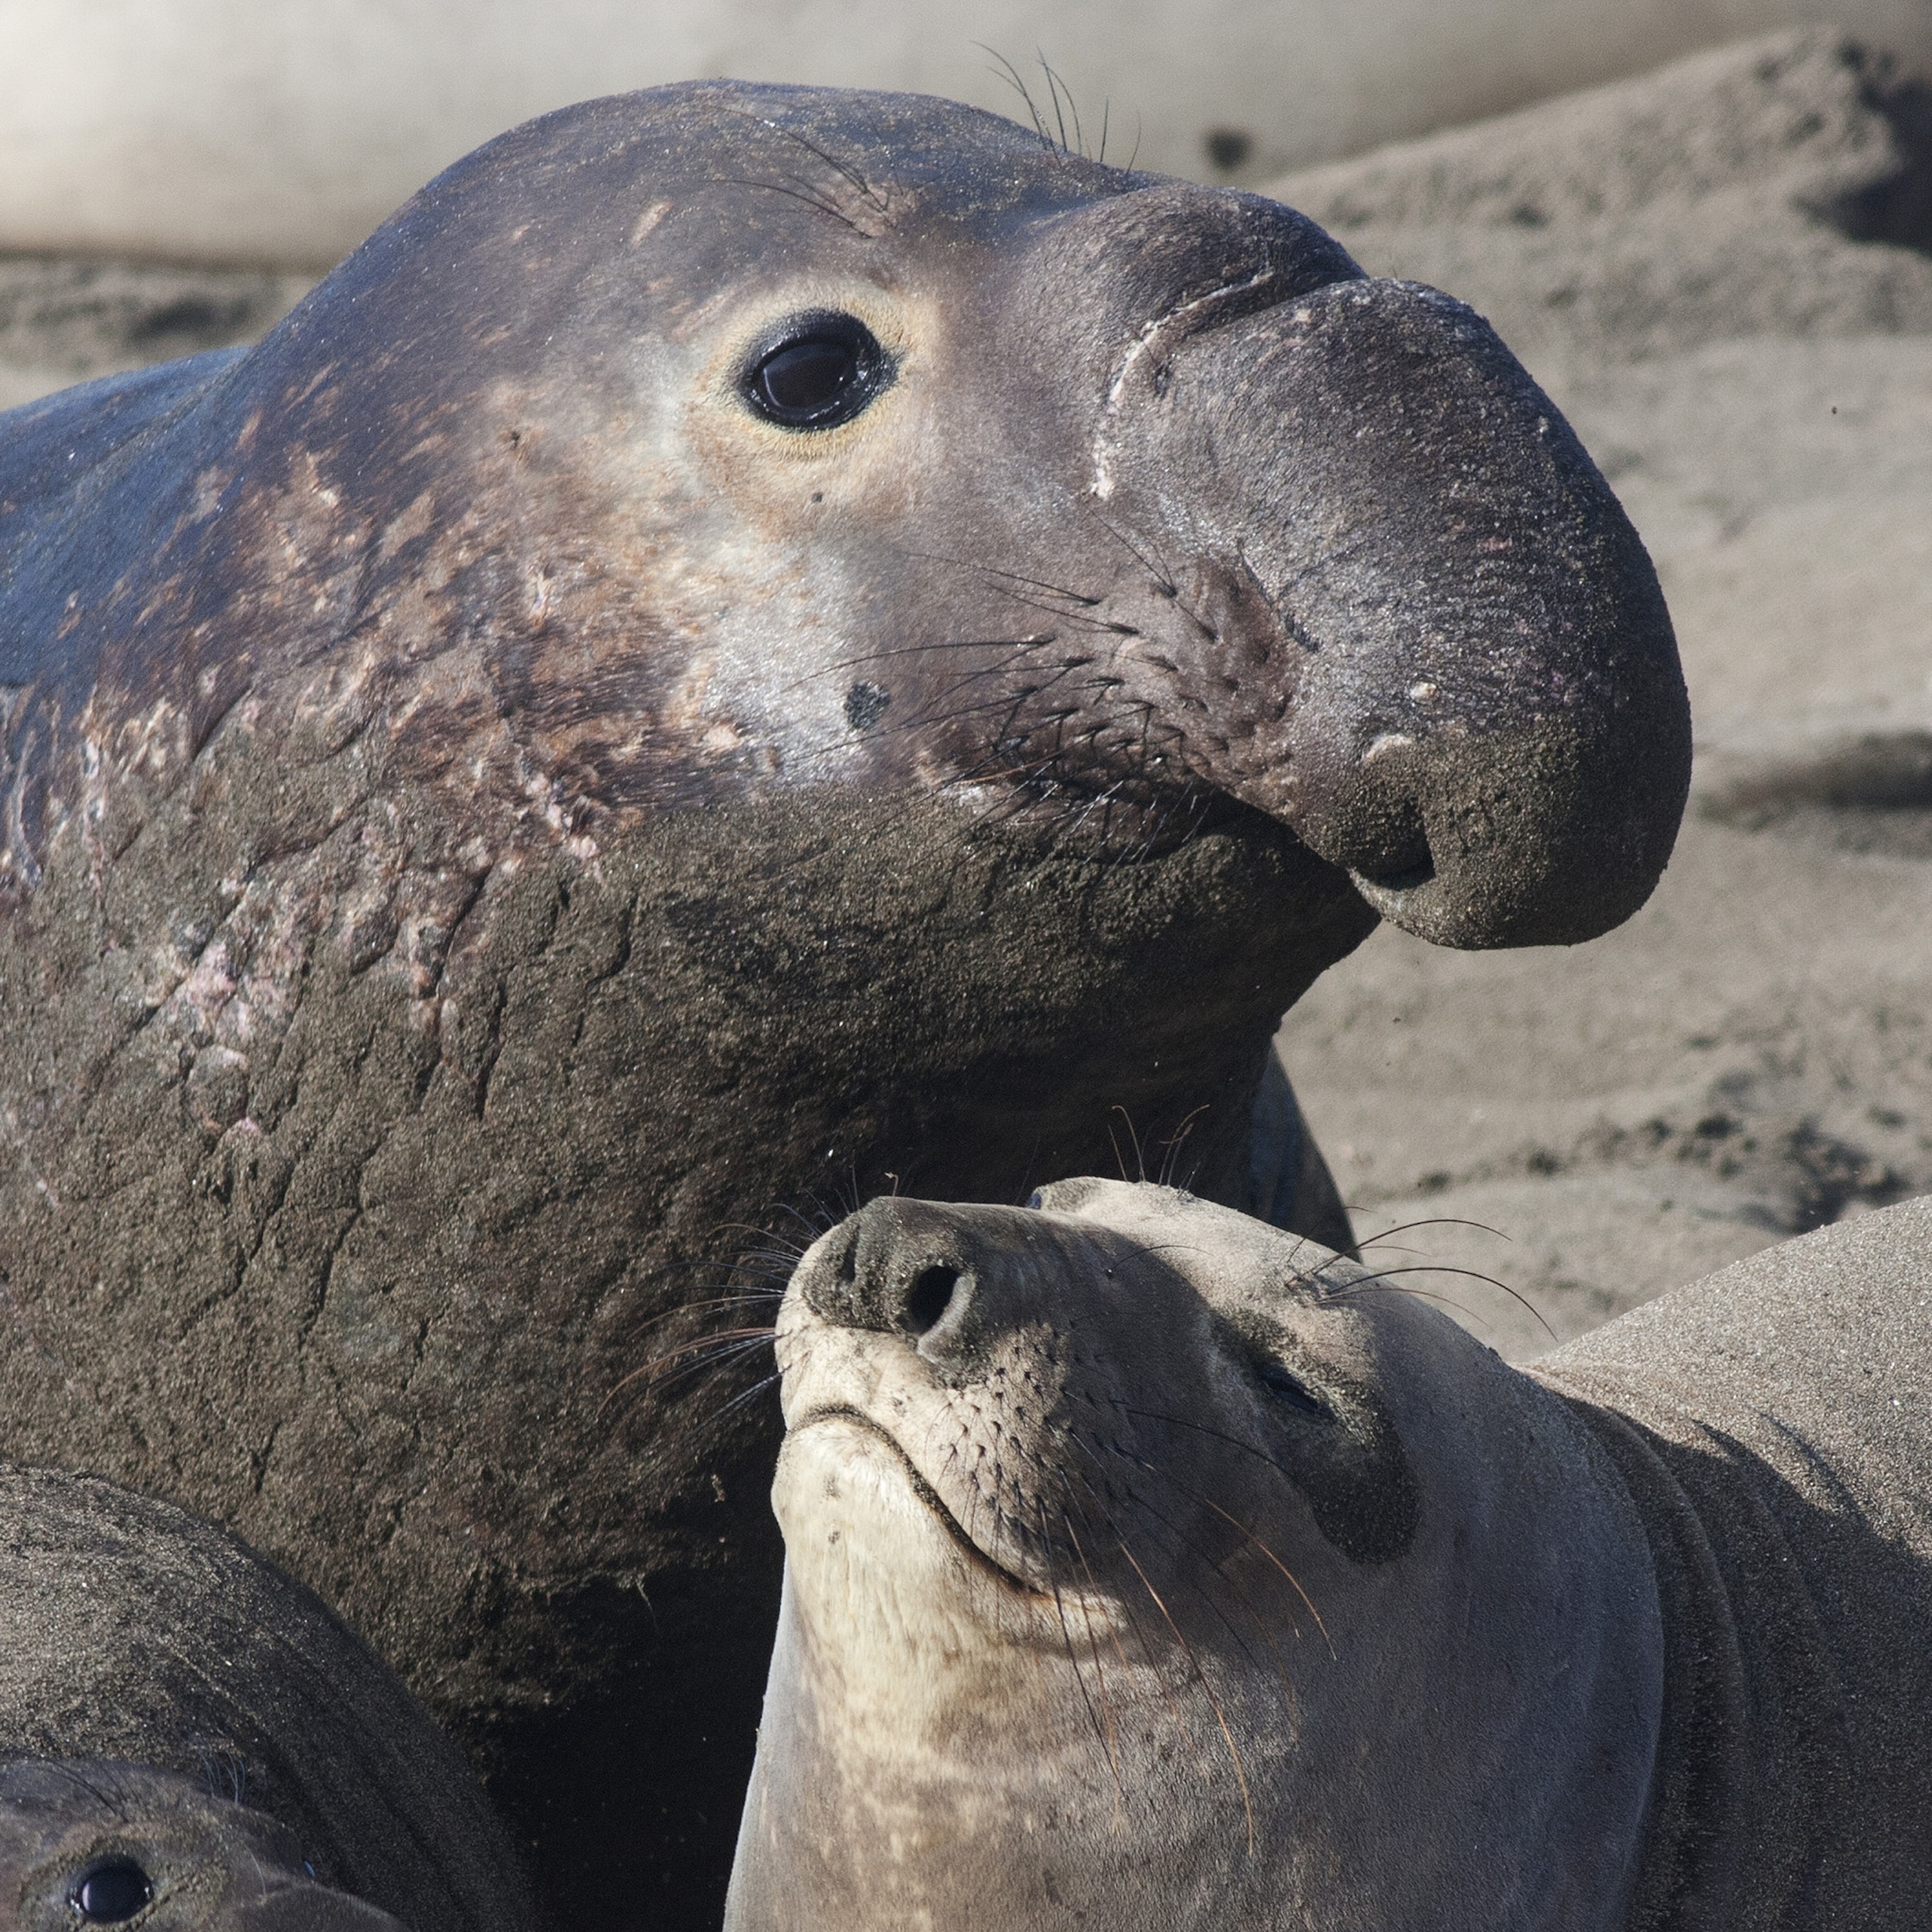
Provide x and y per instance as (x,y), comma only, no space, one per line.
(1722,272)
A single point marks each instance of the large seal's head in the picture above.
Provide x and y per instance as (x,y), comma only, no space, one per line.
(1147,1568)
(725,437)
(189,1739)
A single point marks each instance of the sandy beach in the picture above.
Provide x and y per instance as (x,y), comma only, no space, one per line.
(1722,273)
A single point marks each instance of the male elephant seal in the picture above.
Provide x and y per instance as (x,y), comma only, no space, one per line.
(188,1737)
(749,642)
(1146,1570)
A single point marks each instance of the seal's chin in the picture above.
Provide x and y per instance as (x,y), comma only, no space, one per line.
(878,1563)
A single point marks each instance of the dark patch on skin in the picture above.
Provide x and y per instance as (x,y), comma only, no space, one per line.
(1350,1465)
(866,705)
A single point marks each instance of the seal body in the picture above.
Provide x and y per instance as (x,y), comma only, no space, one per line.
(1143,1568)
(186,1733)
(750,642)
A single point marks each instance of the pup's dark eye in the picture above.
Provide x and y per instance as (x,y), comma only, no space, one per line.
(821,371)
(1291,1388)
(111,1891)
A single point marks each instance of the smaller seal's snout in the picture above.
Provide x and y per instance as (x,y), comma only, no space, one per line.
(904,1266)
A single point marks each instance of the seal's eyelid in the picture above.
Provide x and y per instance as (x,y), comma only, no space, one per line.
(815,372)
(1285,1383)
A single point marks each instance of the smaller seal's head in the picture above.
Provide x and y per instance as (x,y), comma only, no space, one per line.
(1146,1564)
(188,1737)
(91,1843)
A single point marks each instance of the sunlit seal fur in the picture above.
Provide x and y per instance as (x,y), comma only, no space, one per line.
(1144,1570)
(491,813)
(186,1733)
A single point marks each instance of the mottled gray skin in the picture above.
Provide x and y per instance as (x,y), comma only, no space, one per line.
(488,818)
(167,1697)
(1147,1568)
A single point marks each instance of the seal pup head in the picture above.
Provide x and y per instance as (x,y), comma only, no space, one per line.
(1144,1563)
(189,1739)
(91,1842)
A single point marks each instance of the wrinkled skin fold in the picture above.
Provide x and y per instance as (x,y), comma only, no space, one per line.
(490,818)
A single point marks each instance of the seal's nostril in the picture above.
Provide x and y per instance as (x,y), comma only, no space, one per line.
(928,1299)
(1402,878)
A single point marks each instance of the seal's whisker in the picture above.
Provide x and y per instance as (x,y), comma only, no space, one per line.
(1294,1583)
(744,1395)
(1149,1655)
(1066,1634)
(779,1242)
(723,1346)
(750,1295)
(981,568)
(810,199)
(1173,1142)
(1054,85)
(833,161)
(1184,1422)
(1184,1541)
(1437,1267)
(1010,74)
(1195,1496)
(1100,1673)
(1436,1221)
(1159,572)
(1140,1160)
(1207,1689)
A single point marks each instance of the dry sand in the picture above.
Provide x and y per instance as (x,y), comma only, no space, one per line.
(1723,272)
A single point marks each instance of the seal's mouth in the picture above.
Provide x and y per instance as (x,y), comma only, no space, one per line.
(934,1503)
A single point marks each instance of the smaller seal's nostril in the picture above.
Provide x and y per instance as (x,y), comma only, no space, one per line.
(928,1298)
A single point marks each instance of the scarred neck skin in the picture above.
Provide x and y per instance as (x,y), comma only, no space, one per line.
(1139,1568)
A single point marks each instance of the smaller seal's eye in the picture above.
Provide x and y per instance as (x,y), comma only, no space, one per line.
(111,1891)
(1291,1388)
(821,372)
(1036,1199)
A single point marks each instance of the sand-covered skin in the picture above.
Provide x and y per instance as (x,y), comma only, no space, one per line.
(1722,273)
(1751,1055)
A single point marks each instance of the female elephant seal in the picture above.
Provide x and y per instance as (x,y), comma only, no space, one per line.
(1144,1571)
(750,641)
(189,1738)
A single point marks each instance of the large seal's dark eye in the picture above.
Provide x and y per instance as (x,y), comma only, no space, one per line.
(822,370)
(111,1891)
